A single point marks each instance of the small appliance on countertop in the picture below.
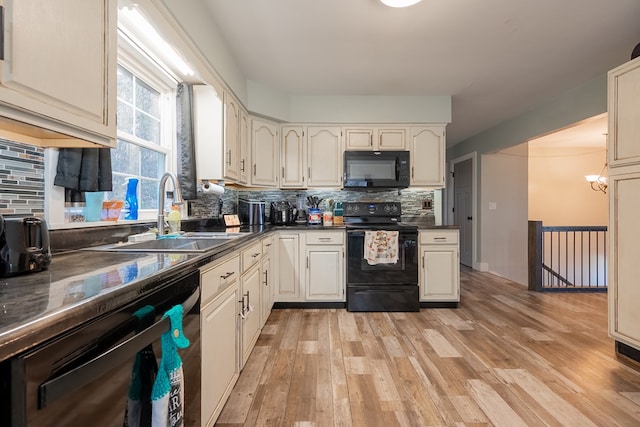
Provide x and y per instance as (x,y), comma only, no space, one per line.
(251,212)
(282,213)
(24,245)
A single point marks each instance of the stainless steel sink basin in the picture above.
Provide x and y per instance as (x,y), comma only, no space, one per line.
(212,235)
(182,244)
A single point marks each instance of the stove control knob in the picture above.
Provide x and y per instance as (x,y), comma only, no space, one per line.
(387,208)
(356,208)
(394,208)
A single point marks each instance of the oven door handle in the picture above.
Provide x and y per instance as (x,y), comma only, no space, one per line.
(53,389)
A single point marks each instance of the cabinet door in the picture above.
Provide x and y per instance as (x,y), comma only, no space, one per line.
(292,157)
(231,140)
(324,273)
(287,284)
(267,290)
(624,114)
(60,62)
(220,352)
(427,147)
(324,157)
(250,285)
(244,131)
(391,138)
(208,119)
(624,231)
(358,138)
(264,153)
(439,273)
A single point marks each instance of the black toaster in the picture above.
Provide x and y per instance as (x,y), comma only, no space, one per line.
(24,245)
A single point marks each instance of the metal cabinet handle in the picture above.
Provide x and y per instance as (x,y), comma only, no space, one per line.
(242,165)
(248,303)
(283,172)
(254,169)
(226,276)
(255,255)
(266,277)
(439,238)
(229,157)
(325,239)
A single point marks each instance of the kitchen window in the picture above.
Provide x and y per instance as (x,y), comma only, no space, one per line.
(145,143)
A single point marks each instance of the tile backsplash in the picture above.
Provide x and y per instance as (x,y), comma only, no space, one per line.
(22,189)
(21,179)
(412,199)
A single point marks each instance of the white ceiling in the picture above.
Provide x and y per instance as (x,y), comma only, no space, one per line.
(496,58)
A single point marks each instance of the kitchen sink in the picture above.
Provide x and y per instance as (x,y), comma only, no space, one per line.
(182,244)
(212,235)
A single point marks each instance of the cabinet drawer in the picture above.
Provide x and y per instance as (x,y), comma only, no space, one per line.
(325,238)
(267,245)
(251,255)
(214,280)
(431,237)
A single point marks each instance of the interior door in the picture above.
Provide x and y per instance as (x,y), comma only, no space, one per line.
(462,190)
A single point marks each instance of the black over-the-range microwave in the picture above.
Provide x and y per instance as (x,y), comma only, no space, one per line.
(376,169)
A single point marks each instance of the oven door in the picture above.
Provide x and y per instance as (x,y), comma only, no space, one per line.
(404,272)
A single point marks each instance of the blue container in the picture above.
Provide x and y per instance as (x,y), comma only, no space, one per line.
(131,200)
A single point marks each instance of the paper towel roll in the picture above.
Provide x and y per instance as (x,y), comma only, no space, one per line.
(210,188)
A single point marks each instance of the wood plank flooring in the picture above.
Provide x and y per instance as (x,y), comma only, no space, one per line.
(505,357)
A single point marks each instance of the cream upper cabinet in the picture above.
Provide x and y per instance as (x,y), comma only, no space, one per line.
(375,138)
(231,137)
(244,132)
(324,156)
(264,153)
(58,71)
(427,146)
(624,114)
(208,119)
(293,158)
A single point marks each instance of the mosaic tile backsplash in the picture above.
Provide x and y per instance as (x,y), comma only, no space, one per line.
(21,179)
(22,189)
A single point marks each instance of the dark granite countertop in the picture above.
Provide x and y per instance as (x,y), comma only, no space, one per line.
(82,285)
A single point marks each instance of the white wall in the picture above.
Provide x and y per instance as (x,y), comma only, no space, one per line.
(558,193)
(504,213)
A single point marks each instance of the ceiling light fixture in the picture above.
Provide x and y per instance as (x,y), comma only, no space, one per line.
(599,182)
(400,3)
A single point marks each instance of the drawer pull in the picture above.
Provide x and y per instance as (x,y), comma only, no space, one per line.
(226,276)
(324,239)
(255,255)
(439,238)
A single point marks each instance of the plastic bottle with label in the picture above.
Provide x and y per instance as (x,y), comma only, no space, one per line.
(131,200)
(174,219)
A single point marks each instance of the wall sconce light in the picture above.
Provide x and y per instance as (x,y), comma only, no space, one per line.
(599,182)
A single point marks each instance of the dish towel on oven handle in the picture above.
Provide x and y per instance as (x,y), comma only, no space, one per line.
(167,397)
(381,247)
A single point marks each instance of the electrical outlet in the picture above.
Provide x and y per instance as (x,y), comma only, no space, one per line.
(427,204)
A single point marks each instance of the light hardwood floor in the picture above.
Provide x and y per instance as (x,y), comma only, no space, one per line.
(505,357)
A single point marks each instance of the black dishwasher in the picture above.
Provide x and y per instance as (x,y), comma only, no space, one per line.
(82,378)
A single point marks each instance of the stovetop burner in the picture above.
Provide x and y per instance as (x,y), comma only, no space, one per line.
(380,215)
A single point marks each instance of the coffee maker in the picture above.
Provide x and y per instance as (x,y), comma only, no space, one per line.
(282,213)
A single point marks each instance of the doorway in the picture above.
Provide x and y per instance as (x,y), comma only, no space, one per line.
(462,205)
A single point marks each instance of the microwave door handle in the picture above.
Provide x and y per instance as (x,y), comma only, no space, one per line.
(397,168)
(55,388)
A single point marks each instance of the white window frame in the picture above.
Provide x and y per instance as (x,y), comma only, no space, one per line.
(146,69)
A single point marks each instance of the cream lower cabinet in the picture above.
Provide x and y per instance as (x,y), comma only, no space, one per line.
(267,278)
(439,274)
(324,266)
(250,298)
(287,269)
(624,234)
(59,70)
(220,335)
